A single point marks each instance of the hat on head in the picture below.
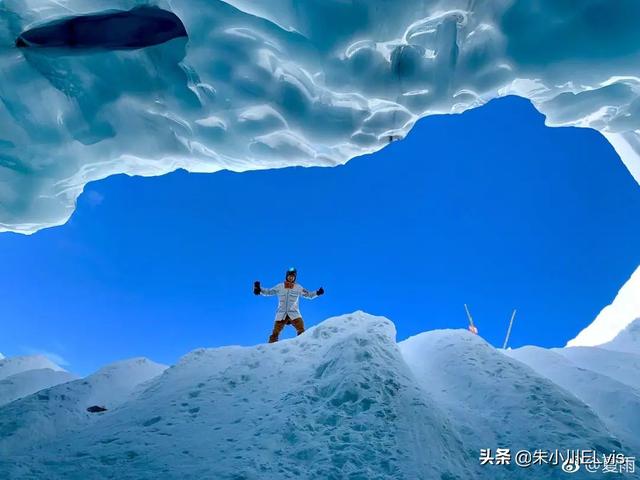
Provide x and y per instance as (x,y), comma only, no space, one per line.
(291,271)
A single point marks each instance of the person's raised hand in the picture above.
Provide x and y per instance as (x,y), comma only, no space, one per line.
(320,291)
(256,288)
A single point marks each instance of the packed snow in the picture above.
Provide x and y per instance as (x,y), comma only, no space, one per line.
(342,400)
(614,318)
(266,84)
(626,341)
(606,379)
(495,400)
(22,376)
(25,383)
(14,365)
(52,412)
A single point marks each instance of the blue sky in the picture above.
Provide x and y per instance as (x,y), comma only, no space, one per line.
(489,208)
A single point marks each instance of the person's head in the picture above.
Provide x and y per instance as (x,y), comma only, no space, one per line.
(291,275)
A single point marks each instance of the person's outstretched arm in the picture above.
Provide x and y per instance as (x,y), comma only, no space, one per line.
(311,294)
(268,292)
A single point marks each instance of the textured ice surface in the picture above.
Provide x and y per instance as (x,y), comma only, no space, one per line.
(343,400)
(266,84)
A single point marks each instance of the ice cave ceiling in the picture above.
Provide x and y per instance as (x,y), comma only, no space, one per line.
(92,88)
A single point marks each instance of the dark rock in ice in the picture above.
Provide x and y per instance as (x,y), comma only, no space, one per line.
(96,409)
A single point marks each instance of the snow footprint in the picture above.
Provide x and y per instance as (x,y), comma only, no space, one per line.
(151,421)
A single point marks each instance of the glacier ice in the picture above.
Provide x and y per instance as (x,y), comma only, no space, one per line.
(267,84)
(343,400)
(613,318)
(140,27)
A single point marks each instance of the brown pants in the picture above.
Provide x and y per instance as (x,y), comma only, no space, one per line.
(280,324)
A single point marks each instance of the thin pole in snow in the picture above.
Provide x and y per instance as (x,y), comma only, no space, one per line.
(466,309)
(472,327)
(506,340)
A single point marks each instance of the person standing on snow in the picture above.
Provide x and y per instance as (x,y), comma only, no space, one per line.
(289,292)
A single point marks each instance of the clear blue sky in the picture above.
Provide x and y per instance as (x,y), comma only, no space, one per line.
(490,208)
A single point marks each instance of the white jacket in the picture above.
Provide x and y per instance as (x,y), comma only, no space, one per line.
(288,299)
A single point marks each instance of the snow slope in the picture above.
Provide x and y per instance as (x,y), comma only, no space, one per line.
(624,309)
(268,84)
(607,381)
(341,401)
(25,383)
(24,375)
(336,402)
(628,340)
(52,412)
(495,401)
(14,365)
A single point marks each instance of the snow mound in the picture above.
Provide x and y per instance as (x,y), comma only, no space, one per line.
(342,400)
(616,403)
(336,402)
(25,383)
(14,365)
(257,85)
(52,412)
(496,401)
(111,384)
(620,366)
(614,318)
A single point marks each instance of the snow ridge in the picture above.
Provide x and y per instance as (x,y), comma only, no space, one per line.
(54,411)
(14,365)
(628,340)
(613,318)
(25,375)
(343,400)
(25,383)
(606,381)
